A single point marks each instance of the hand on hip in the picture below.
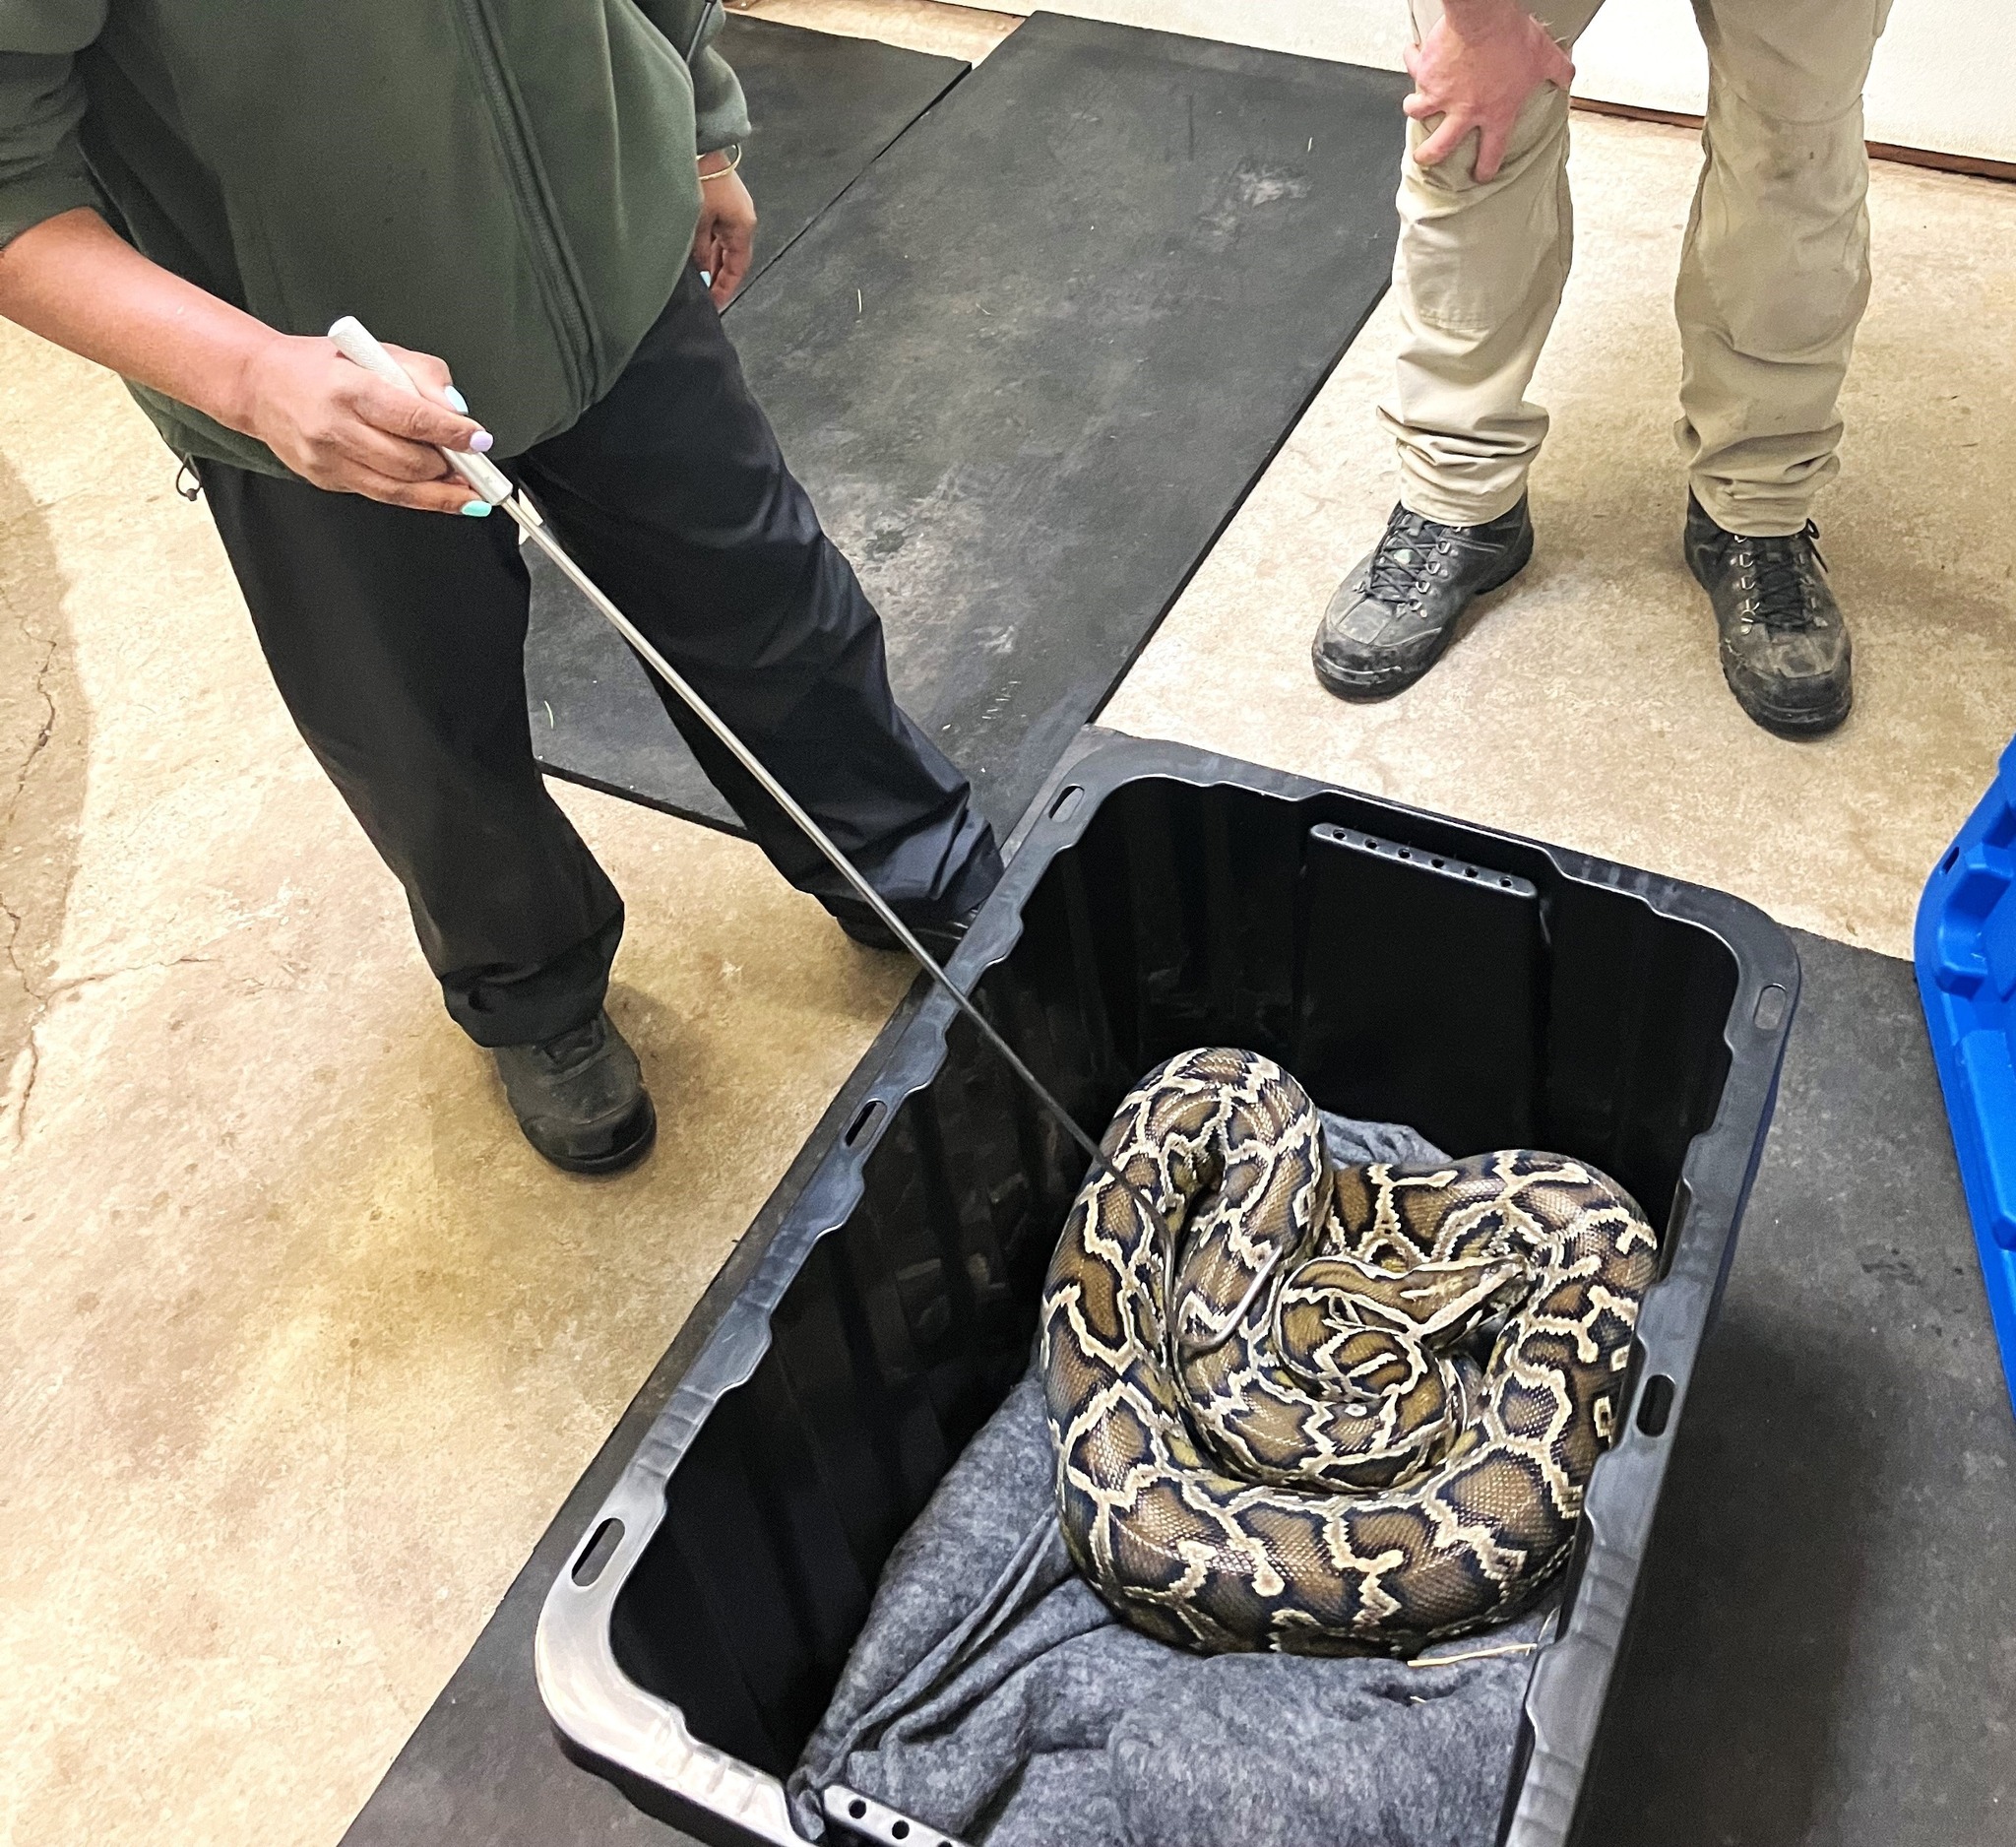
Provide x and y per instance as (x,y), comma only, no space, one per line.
(1477,68)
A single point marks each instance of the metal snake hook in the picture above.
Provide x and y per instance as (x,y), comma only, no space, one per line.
(357,344)
(1199,1336)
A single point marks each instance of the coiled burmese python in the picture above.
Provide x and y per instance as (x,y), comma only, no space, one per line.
(1270,1430)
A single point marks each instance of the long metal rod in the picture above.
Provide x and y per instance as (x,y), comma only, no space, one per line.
(357,344)
(534,528)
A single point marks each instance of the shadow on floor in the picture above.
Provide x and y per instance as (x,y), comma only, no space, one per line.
(1750,1594)
(44,739)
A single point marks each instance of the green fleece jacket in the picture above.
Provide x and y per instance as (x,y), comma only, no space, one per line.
(507,183)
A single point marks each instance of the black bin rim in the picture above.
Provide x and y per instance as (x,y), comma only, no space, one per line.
(640,1741)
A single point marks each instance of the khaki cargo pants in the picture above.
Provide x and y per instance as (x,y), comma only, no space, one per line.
(1773,283)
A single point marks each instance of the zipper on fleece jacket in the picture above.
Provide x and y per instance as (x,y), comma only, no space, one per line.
(558,282)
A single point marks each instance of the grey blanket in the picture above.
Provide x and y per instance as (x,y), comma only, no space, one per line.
(991,1694)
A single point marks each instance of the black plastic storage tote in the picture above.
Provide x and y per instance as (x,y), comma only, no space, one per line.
(1488,991)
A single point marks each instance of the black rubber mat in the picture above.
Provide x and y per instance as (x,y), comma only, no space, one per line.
(1826,1636)
(1822,1652)
(1029,366)
(824,107)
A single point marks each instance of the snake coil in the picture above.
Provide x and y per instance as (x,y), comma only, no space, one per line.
(1327,1413)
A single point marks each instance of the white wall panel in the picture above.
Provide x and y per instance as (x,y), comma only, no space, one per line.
(1945,75)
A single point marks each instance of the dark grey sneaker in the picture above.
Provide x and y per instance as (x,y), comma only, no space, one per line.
(1785,647)
(1392,616)
(579,1098)
(940,937)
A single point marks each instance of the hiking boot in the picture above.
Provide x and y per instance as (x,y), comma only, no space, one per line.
(579,1098)
(1785,647)
(940,936)
(1392,616)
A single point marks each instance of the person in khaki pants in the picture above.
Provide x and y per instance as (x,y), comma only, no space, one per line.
(1773,283)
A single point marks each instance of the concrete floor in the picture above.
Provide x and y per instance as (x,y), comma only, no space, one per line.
(292,1315)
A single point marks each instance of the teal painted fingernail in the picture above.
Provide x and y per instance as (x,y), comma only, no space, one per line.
(481,442)
(456,398)
(477,510)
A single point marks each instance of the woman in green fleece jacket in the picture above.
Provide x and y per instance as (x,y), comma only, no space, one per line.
(523,195)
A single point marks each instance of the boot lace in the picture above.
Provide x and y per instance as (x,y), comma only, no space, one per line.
(1402,565)
(1772,573)
(569,1049)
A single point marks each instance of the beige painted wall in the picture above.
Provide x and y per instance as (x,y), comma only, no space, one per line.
(1646,52)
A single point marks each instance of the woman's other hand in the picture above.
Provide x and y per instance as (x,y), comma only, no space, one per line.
(726,235)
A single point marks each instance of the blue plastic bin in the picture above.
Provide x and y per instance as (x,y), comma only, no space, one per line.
(1966,954)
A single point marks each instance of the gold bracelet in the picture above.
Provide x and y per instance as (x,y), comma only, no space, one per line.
(721,172)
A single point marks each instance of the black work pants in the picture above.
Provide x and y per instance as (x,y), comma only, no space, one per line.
(397,639)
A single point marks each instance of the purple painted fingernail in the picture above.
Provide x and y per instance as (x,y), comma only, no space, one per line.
(481,442)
